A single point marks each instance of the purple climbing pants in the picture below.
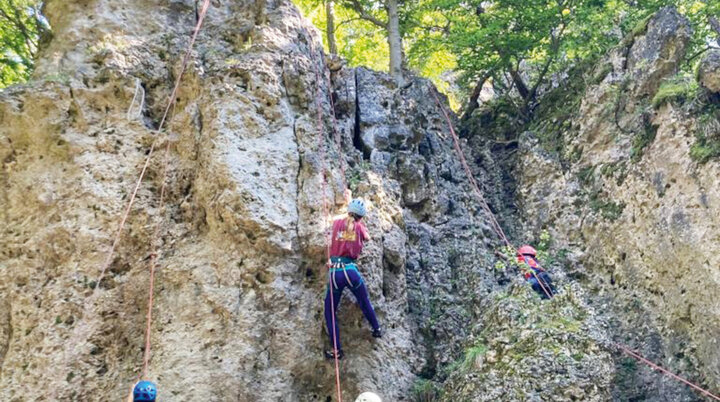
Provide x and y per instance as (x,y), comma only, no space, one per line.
(340,279)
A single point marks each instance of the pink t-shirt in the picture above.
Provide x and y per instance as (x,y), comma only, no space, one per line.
(348,243)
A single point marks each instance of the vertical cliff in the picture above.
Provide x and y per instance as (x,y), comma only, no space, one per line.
(239,292)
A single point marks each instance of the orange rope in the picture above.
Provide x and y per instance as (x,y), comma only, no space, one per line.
(336,132)
(476,190)
(171,102)
(156,236)
(326,213)
(639,357)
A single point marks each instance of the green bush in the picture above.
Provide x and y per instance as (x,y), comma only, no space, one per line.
(472,354)
(707,134)
(642,140)
(678,89)
(425,391)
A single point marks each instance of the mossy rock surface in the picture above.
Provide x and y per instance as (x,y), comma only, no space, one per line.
(533,349)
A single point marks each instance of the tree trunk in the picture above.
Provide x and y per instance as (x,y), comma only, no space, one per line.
(330,26)
(520,84)
(474,96)
(395,42)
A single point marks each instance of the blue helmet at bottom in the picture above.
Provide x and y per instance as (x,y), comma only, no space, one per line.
(145,391)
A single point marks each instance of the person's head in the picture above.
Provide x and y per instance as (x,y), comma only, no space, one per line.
(527,251)
(368,397)
(144,391)
(356,209)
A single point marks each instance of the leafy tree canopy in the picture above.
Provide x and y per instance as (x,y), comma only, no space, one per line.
(516,44)
(21,25)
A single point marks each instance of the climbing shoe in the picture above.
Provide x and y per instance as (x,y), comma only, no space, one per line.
(330,354)
(377,333)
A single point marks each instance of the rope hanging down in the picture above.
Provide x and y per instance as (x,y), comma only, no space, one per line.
(326,213)
(476,190)
(501,234)
(171,102)
(336,132)
(156,235)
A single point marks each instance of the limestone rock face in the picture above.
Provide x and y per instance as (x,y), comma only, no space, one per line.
(656,53)
(528,350)
(238,301)
(709,71)
(638,212)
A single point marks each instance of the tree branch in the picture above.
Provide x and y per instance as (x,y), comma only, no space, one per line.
(473,101)
(341,23)
(358,8)
(555,46)
(17,22)
(698,53)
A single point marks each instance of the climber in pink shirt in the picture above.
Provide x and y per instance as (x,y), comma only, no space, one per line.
(348,237)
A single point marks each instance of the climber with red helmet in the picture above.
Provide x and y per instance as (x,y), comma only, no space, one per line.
(534,273)
(348,236)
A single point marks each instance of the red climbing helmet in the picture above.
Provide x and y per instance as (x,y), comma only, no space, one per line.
(527,250)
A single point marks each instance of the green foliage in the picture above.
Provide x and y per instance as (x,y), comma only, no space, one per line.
(21,26)
(357,174)
(608,209)
(359,42)
(473,356)
(617,170)
(425,391)
(509,261)
(707,135)
(678,89)
(363,43)
(586,175)
(699,13)
(539,36)
(642,140)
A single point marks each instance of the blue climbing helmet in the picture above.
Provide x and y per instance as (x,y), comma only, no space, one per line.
(145,391)
(357,207)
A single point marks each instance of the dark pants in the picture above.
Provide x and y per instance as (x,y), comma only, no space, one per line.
(546,282)
(339,280)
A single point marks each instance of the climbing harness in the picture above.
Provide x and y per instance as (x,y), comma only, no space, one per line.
(498,230)
(341,264)
(548,290)
(326,213)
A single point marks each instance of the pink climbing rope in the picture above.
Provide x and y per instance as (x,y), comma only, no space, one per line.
(336,132)
(171,102)
(326,213)
(498,230)
(639,357)
(156,236)
(476,190)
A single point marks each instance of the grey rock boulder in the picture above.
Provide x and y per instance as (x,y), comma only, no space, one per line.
(709,71)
